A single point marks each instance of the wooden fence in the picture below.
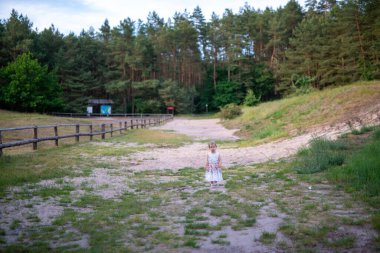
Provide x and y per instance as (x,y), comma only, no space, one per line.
(90,115)
(112,127)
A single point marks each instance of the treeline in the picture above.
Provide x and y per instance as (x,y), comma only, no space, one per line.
(189,62)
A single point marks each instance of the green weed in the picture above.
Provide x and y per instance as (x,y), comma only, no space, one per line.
(362,130)
(376,221)
(321,155)
(267,237)
(15,224)
(342,242)
(191,243)
(361,172)
(220,241)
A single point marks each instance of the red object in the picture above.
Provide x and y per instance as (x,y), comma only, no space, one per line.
(170,107)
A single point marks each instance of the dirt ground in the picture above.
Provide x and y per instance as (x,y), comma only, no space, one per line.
(280,199)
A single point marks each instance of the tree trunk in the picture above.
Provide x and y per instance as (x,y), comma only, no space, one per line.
(125,102)
(359,35)
(214,66)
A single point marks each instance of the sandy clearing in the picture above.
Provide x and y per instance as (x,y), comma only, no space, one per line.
(194,155)
(200,129)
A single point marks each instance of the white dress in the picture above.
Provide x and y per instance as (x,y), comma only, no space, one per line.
(213,173)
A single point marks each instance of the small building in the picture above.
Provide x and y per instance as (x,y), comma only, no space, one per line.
(102,106)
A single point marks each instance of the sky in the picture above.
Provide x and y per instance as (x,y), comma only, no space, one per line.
(75,15)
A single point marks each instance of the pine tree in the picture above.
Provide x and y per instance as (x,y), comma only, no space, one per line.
(17,37)
(371,32)
(47,44)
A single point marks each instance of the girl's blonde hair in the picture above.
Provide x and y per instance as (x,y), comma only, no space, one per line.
(212,143)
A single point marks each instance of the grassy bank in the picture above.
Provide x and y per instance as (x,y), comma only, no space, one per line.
(289,116)
(351,162)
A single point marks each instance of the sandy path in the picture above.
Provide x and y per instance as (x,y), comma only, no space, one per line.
(201,129)
(193,155)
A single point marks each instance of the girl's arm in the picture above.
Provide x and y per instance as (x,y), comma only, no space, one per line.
(220,163)
(207,167)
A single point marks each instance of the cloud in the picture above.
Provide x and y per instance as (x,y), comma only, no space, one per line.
(76,15)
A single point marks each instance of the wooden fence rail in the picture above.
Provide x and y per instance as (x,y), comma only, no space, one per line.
(122,126)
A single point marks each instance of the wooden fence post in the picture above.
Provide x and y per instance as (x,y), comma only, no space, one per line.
(1,141)
(120,126)
(56,135)
(144,123)
(111,125)
(90,132)
(103,131)
(77,132)
(125,125)
(131,123)
(35,130)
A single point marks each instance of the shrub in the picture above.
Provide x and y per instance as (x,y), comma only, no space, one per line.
(301,84)
(230,111)
(321,155)
(228,93)
(250,99)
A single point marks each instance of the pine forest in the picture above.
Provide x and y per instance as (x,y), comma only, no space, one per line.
(190,61)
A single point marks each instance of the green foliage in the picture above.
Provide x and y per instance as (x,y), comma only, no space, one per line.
(301,84)
(221,59)
(363,130)
(361,172)
(147,97)
(267,237)
(321,155)
(230,111)
(148,106)
(81,70)
(260,79)
(376,221)
(26,85)
(174,95)
(250,99)
(227,93)
(16,37)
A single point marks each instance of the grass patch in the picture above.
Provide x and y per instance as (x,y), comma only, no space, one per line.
(362,130)
(267,237)
(361,172)
(43,164)
(376,221)
(15,224)
(343,242)
(13,119)
(47,192)
(92,149)
(146,136)
(322,154)
(220,242)
(192,242)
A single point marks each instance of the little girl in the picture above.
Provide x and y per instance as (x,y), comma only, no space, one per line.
(213,165)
